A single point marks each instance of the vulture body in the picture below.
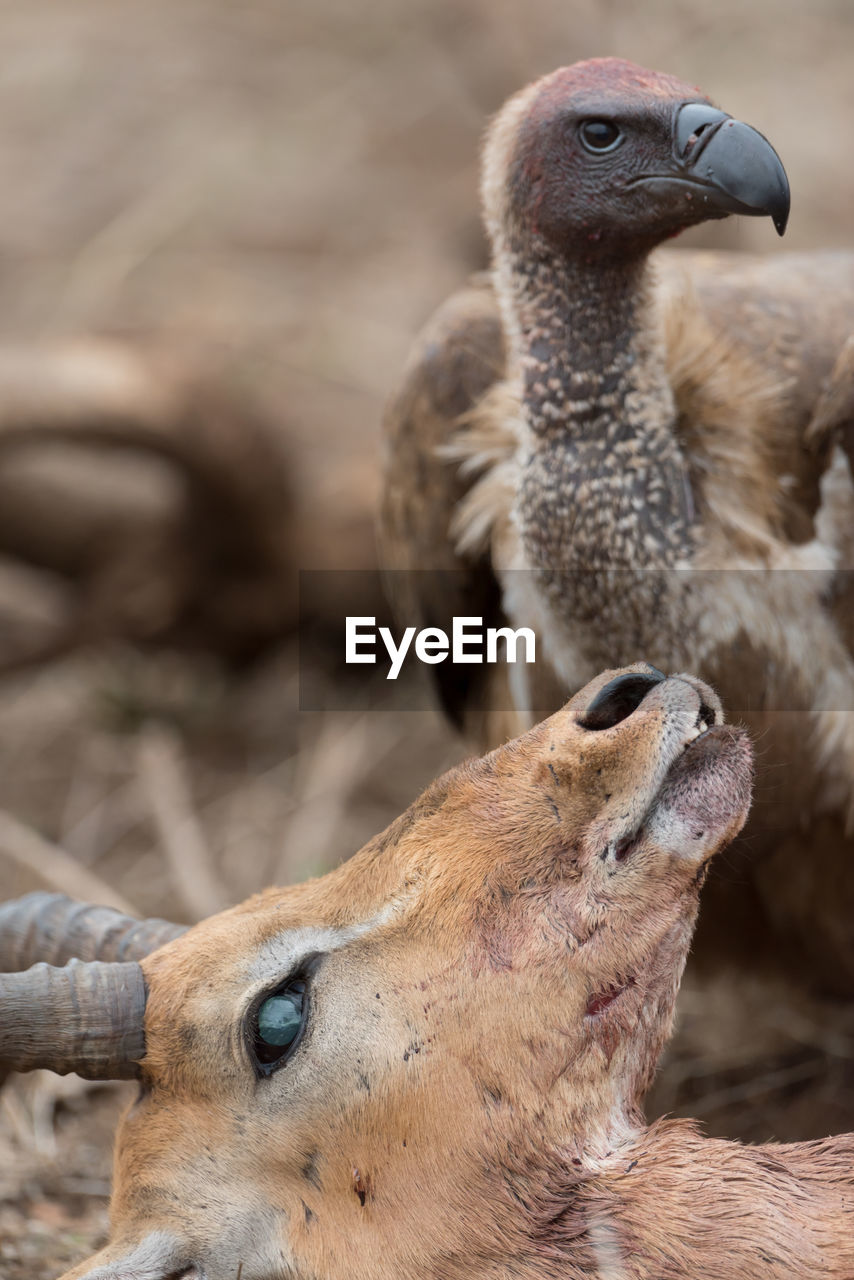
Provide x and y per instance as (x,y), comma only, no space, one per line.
(646,452)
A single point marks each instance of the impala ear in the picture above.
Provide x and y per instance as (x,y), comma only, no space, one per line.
(159,1256)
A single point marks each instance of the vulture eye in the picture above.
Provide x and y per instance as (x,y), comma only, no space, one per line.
(600,135)
(276,1025)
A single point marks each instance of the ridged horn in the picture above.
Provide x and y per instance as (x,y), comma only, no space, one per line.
(53,928)
(85,1017)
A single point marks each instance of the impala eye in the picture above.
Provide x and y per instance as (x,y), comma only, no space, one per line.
(276,1025)
(600,135)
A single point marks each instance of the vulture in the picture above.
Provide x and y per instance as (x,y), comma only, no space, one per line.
(645,452)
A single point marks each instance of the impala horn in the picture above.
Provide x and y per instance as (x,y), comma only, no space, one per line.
(86,1016)
(56,929)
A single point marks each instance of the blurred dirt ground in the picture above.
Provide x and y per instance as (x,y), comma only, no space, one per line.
(288,187)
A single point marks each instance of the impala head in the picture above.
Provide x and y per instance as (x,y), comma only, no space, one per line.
(606,157)
(403,1068)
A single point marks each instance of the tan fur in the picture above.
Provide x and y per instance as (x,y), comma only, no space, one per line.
(496,985)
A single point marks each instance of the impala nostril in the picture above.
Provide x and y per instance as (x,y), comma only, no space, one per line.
(707,714)
(619,698)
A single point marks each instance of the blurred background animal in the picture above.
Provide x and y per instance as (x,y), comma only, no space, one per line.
(636,450)
(146,497)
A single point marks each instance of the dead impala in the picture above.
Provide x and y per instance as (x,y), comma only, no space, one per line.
(431,1062)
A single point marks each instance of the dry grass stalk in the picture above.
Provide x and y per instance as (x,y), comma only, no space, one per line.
(54,866)
(346,752)
(162,777)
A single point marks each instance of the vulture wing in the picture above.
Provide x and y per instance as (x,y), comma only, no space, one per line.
(790,320)
(456,359)
(777,332)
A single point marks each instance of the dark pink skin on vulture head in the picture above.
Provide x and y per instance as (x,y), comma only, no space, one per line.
(596,78)
(647,187)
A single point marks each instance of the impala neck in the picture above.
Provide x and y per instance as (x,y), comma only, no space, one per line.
(679,1206)
(604,481)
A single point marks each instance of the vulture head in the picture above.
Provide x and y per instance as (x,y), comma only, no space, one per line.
(605,157)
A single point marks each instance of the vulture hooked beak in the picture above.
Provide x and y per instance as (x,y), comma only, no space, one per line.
(728,165)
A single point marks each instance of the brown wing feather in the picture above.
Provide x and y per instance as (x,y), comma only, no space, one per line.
(457,357)
(788,318)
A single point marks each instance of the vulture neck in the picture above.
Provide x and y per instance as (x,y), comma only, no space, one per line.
(604,481)
(679,1206)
